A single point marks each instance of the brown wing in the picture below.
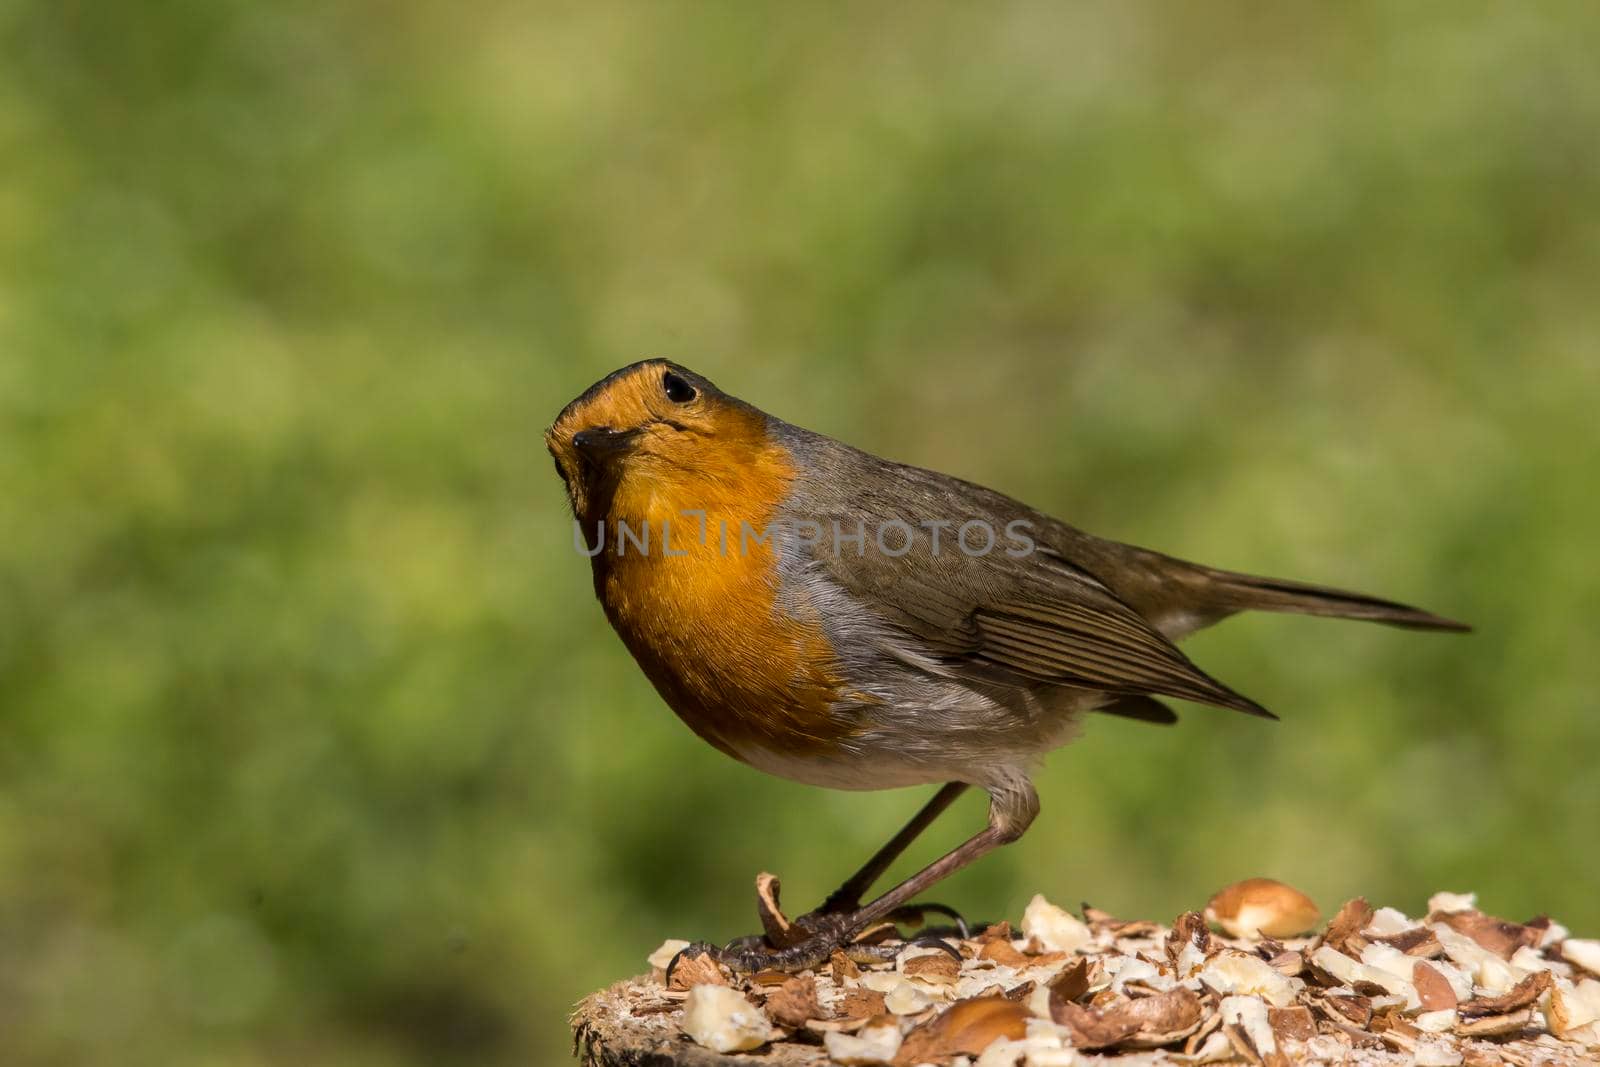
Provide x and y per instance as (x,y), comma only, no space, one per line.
(1038,616)
(1095,642)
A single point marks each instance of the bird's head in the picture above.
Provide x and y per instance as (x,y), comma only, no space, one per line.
(652,430)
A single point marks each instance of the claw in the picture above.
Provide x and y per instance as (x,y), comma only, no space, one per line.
(747,943)
(877,934)
(883,952)
(935,942)
(691,951)
(863,953)
(747,955)
(808,941)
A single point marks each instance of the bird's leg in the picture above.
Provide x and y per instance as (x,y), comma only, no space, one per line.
(848,896)
(781,932)
(1011,809)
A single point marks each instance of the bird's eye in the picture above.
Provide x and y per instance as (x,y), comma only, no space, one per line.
(678,391)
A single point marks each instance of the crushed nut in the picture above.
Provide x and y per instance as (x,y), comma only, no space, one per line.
(1418,941)
(872,1045)
(1575,1011)
(1262,907)
(1053,928)
(1520,996)
(1459,989)
(1145,1022)
(861,1004)
(1245,1022)
(1292,1024)
(1389,922)
(1235,972)
(795,1002)
(1344,930)
(1441,902)
(935,968)
(661,957)
(722,1020)
(1072,983)
(1495,1025)
(1585,954)
(1496,935)
(906,998)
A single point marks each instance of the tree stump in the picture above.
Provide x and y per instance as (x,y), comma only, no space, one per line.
(607,1032)
(1372,988)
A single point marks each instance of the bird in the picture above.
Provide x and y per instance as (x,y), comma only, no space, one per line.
(846,621)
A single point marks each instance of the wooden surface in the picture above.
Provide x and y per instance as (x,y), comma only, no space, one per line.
(607,1033)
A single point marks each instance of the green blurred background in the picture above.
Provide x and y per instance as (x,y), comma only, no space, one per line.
(313,741)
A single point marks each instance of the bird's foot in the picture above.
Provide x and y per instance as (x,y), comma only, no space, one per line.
(914,915)
(843,901)
(840,925)
(850,934)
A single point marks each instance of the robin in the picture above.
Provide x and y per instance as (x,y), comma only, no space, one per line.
(847,621)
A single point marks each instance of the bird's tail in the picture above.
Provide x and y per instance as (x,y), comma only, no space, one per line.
(1247,592)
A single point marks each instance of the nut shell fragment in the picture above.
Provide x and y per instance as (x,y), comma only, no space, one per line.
(1352,1009)
(795,1002)
(1433,990)
(1345,928)
(1484,967)
(1495,935)
(1070,984)
(1292,1024)
(968,1027)
(693,970)
(1003,953)
(1419,941)
(1495,1025)
(1189,942)
(779,930)
(936,968)
(1244,1020)
(1520,996)
(1145,1022)
(860,1004)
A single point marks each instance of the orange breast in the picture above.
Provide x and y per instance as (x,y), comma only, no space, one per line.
(704,625)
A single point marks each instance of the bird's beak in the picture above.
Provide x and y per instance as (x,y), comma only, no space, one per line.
(600,441)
